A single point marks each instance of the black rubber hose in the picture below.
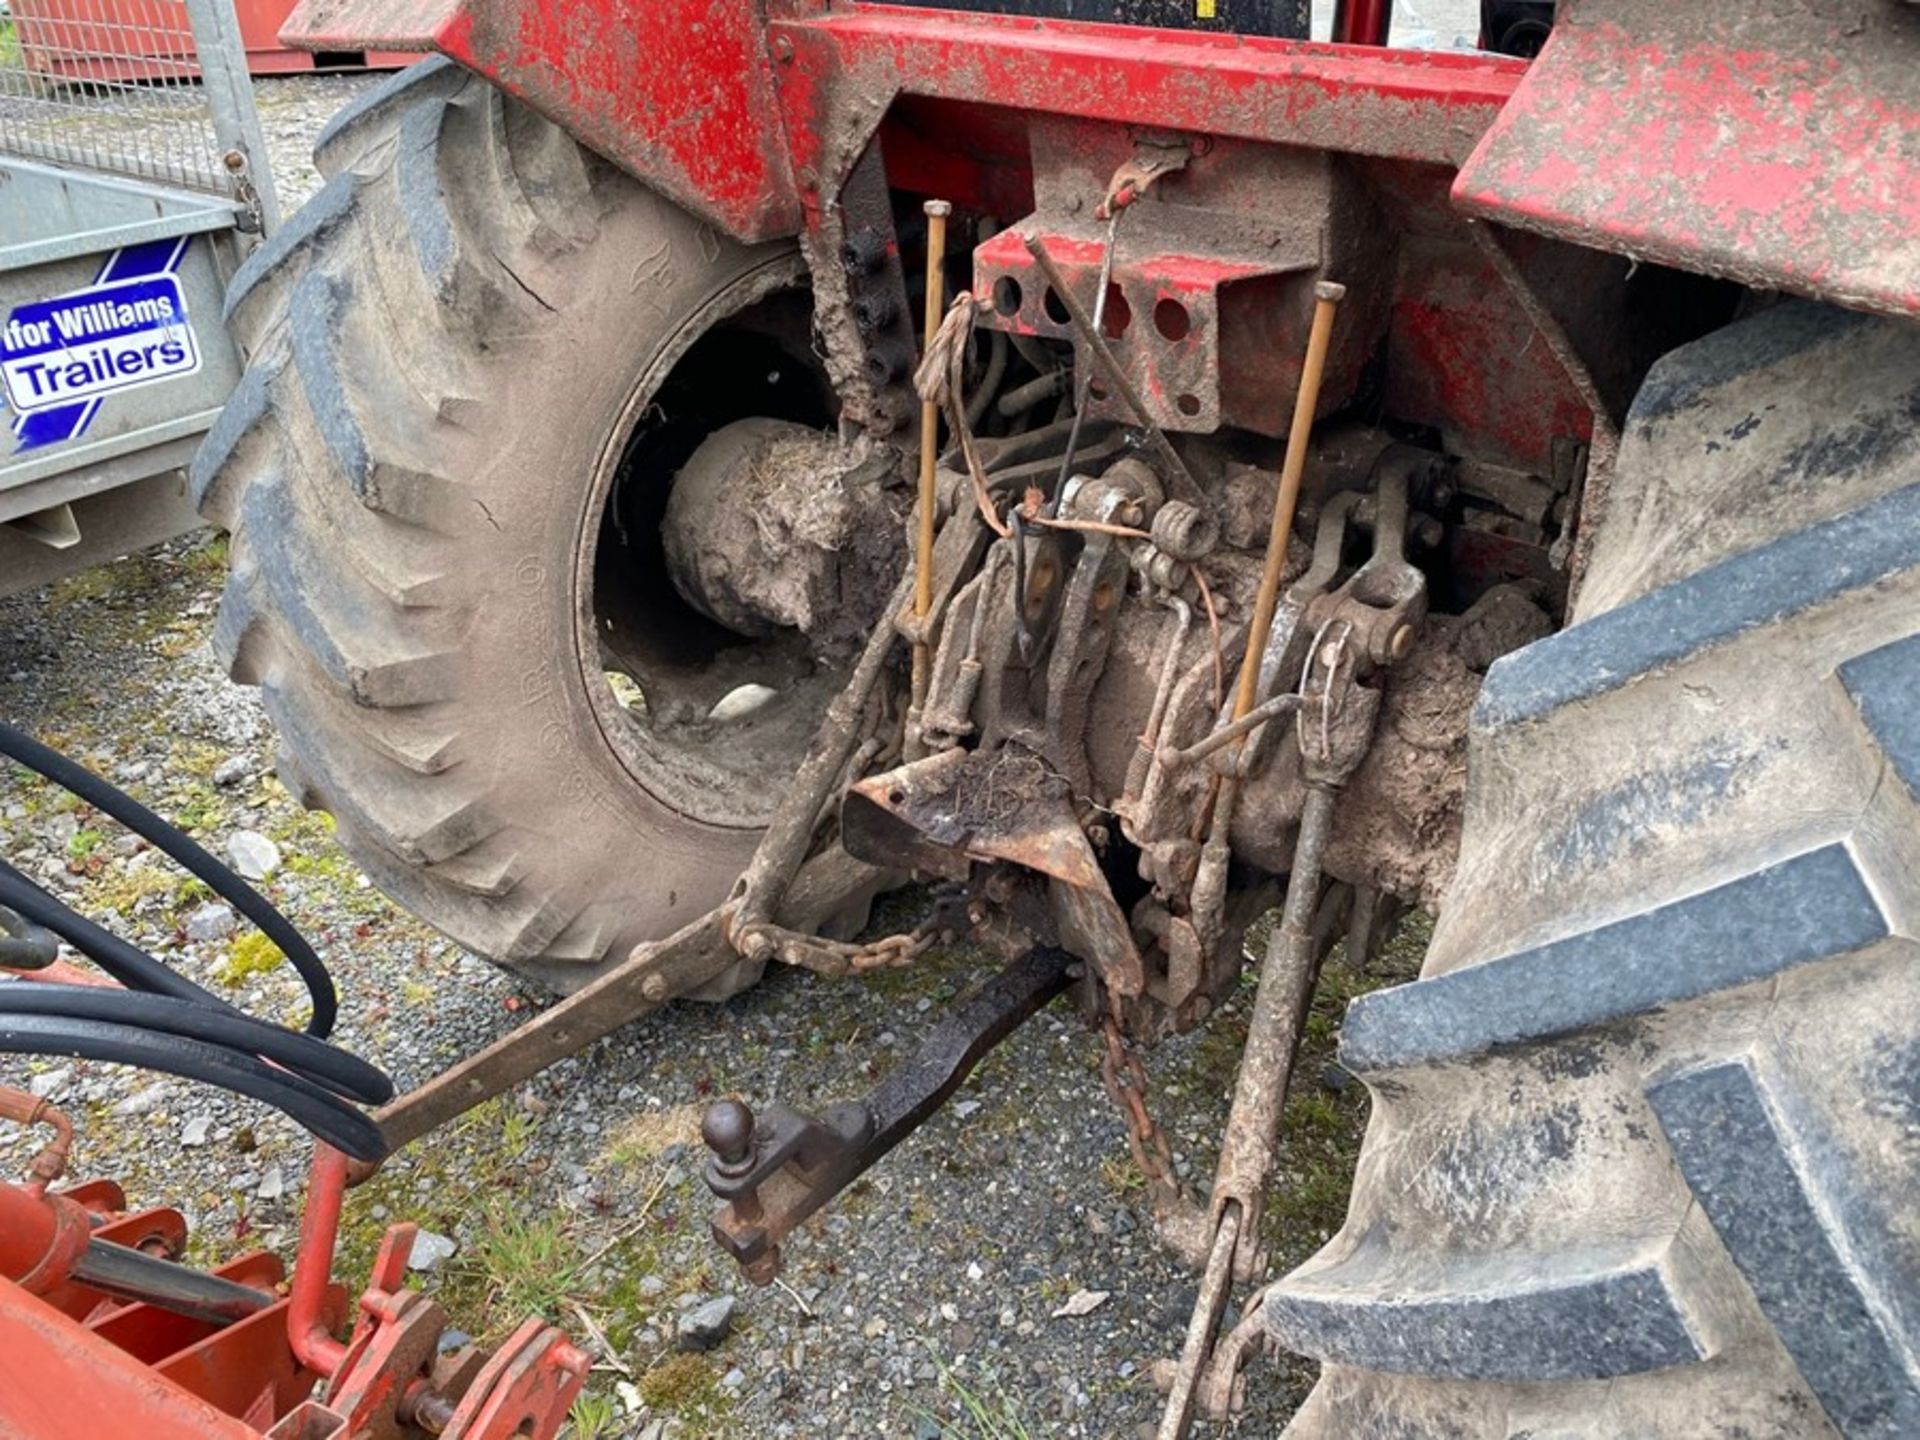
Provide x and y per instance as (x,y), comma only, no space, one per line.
(326,1116)
(128,964)
(81,781)
(327,1066)
(24,945)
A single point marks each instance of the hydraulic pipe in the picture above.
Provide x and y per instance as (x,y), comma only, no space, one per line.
(127,1274)
(51,1162)
(1327,298)
(937,212)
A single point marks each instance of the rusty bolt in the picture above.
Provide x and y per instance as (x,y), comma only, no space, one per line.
(762,1269)
(654,987)
(783,49)
(427,1408)
(234,161)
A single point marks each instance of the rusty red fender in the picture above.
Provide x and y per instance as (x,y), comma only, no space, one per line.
(1778,145)
(679,92)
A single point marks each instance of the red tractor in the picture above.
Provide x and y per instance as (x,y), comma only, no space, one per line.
(704,463)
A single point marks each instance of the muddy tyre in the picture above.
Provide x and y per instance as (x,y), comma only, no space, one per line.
(1646,1132)
(475,360)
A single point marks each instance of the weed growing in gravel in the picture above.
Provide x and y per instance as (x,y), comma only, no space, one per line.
(993,1415)
(95,584)
(592,1417)
(531,1263)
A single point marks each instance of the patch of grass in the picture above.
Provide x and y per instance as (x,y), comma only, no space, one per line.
(592,1417)
(992,1415)
(88,585)
(85,841)
(652,1131)
(208,561)
(531,1263)
(9,45)
(1322,1127)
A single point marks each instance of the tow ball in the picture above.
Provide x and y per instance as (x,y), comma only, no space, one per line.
(773,1170)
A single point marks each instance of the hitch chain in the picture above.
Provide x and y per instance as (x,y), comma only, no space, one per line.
(843,957)
(1126,1081)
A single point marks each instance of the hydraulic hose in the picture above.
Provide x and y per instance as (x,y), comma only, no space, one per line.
(24,945)
(326,1066)
(77,779)
(128,964)
(315,1109)
(164,1021)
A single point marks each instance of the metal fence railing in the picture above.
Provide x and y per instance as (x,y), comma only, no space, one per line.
(155,90)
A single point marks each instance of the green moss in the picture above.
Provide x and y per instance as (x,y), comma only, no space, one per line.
(121,891)
(250,955)
(85,841)
(681,1384)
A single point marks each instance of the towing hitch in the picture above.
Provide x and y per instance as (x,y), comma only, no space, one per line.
(773,1170)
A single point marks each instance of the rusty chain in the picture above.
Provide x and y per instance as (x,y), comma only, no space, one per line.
(837,958)
(1126,1081)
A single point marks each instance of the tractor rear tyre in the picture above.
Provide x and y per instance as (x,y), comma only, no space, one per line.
(475,361)
(1646,1133)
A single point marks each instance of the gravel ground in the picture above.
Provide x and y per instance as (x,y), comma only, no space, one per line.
(923,1304)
